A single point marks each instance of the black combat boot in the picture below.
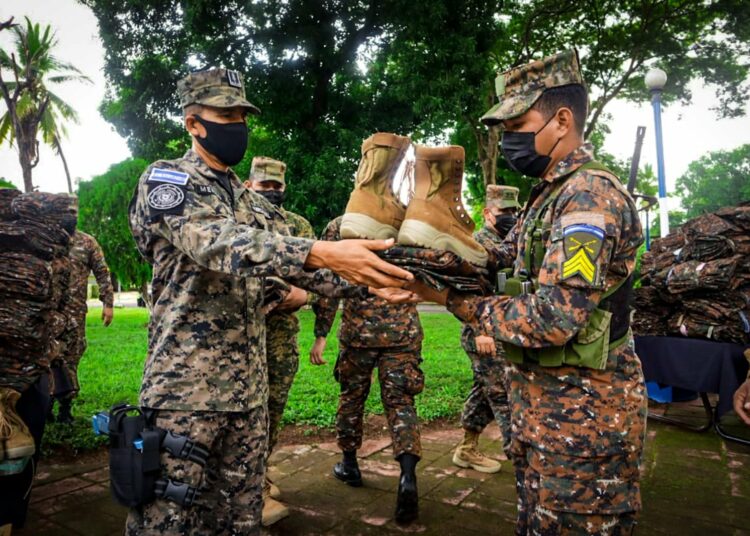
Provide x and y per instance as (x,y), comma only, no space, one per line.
(64,415)
(407,502)
(347,470)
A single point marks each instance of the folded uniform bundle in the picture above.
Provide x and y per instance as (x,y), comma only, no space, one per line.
(25,276)
(441,269)
(696,281)
(35,231)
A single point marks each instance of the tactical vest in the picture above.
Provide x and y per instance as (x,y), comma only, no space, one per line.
(609,324)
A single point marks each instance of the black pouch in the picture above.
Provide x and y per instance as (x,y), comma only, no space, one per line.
(134,464)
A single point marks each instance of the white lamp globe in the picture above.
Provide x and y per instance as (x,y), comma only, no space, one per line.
(656,79)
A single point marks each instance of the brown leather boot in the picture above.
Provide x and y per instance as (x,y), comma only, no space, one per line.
(373,210)
(436,217)
(15,438)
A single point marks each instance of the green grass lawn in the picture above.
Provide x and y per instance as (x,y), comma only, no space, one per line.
(113,363)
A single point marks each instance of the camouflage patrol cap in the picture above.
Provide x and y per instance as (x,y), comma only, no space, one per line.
(501,196)
(222,88)
(519,88)
(268,169)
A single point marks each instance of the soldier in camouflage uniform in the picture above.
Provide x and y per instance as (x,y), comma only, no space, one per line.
(210,243)
(488,397)
(374,334)
(85,256)
(268,179)
(577,393)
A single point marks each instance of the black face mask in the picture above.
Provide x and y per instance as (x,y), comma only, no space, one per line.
(275,197)
(503,224)
(226,141)
(519,151)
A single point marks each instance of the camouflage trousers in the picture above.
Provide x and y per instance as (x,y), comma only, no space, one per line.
(576,446)
(64,383)
(282,358)
(231,482)
(400,380)
(488,398)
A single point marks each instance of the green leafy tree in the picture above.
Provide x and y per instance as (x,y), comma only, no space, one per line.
(103,212)
(31,107)
(4,183)
(327,74)
(716,180)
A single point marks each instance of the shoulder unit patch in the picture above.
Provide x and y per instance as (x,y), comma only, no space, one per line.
(165,197)
(582,244)
(168,175)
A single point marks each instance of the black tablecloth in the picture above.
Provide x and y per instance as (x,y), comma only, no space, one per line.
(695,364)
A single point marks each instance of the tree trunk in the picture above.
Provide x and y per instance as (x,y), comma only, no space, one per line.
(28,186)
(58,146)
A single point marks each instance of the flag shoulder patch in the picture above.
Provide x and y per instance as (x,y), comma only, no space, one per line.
(170,176)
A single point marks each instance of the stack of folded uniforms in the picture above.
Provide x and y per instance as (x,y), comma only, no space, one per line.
(35,231)
(696,281)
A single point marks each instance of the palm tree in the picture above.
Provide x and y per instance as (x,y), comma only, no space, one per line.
(31,106)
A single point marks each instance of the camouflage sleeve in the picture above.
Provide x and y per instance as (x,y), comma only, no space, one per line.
(325,307)
(207,234)
(561,306)
(101,273)
(304,229)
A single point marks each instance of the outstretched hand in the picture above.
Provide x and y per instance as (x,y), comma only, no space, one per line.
(355,261)
(395,295)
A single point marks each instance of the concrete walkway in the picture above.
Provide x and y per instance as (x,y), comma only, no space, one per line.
(693,484)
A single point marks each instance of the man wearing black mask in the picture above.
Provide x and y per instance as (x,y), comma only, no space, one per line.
(488,396)
(211,242)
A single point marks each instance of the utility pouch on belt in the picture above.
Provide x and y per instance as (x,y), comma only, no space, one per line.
(134,458)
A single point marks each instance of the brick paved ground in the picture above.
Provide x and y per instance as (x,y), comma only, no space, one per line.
(693,484)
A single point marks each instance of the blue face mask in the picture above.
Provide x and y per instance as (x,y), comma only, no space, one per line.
(519,150)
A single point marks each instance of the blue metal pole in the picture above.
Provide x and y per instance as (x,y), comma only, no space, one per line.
(663,209)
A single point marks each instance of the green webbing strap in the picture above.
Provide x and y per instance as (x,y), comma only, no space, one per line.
(592,165)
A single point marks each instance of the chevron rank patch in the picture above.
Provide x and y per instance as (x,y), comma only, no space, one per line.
(582,243)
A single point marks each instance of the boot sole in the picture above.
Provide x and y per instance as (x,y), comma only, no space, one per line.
(363,226)
(417,233)
(353,483)
(16,453)
(466,465)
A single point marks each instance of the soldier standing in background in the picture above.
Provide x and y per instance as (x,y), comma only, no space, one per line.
(85,257)
(268,179)
(577,394)
(375,333)
(210,242)
(488,397)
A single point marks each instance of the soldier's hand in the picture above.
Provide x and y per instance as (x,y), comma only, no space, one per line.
(485,345)
(427,293)
(742,402)
(355,261)
(296,298)
(107,315)
(316,352)
(394,295)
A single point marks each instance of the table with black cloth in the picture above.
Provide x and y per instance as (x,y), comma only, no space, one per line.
(696,365)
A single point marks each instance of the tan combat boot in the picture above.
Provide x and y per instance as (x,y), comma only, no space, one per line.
(15,439)
(436,217)
(373,210)
(467,455)
(273,511)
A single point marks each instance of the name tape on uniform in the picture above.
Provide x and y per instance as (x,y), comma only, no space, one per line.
(168,175)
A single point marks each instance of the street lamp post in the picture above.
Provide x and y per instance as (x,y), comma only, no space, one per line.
(655,81)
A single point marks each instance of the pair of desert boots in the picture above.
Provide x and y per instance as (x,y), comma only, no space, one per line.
(434,218)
